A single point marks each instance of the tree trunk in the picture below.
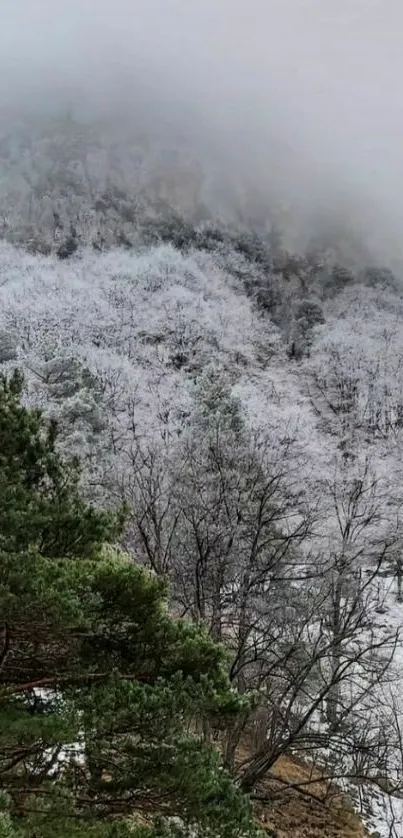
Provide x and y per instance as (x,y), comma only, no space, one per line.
(257,770)
(333,696)
(399,578)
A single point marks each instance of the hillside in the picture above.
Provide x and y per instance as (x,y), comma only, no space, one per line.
(246,403)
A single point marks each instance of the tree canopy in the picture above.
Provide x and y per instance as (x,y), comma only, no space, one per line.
(99,685)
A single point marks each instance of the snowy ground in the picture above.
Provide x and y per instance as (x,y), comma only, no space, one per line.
(386,816)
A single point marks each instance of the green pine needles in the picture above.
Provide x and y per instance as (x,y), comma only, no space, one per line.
(99,685)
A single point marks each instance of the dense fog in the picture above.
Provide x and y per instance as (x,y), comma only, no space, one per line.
(300,98)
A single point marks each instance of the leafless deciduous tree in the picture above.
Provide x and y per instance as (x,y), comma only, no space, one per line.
(286,578)
(326,686)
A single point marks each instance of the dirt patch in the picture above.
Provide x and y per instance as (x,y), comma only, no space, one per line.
(315,809)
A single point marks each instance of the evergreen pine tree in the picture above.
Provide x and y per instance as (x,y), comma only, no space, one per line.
(99,685)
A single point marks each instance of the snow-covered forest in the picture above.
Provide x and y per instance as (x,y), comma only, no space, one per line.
(246,403)
(201,282)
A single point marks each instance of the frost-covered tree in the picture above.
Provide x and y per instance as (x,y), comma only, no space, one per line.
(40,503)
(213,513)
(308,314)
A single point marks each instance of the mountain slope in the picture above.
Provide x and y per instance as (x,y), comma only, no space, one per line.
(138,319)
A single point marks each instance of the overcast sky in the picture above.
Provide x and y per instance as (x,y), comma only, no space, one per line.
(308,89)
